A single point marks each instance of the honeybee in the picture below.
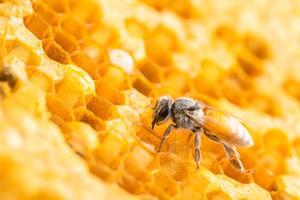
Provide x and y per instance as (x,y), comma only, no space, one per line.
(203,120)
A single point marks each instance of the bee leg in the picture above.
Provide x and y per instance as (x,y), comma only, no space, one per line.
(231,152)
(197,141)
(234,157)
(166,134)
(211,136)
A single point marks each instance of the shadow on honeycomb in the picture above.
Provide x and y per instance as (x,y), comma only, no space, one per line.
(79,79)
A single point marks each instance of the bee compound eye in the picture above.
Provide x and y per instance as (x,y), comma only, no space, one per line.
(162,111)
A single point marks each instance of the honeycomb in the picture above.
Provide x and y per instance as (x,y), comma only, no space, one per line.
(79,78)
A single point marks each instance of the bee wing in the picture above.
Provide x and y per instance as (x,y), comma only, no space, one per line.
(226,127)
(241,120)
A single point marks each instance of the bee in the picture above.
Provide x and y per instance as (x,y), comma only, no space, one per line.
(201,119)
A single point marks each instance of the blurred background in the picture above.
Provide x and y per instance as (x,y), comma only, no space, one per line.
(79,79)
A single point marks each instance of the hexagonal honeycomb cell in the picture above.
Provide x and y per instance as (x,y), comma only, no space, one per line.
(79,79)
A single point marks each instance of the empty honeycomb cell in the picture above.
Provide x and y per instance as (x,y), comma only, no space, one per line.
(104,35)
(264,177)
(180,145)
(58,6)
(135,28)
(114,73)
(110,149)
(151,71)
(249,63)
(249,161)
(81,137)
(296,144)
(173,167)
(36,25)
(158,5)
(166,183)
(141,156)
(57,107)
(102,170)
(185,9)
(257,46)
(102,108)
(276,141)
(265,103)
(131,184)
(272,161)
(142,85)
(88,12)
(146,135)
(74,27)
(137,162)
(208,77)
(182,8)
(85,115)
(291,86)
(190,193)
(176,81)
(103,88)
(157,191)
(227,33)
(161,89)
(57,120)
(141,174)
(230,171)
(160,43)
(45,12)
(235,85)
(211,161)
(75,84)
(93,50)
(215,195)
(66,41)
(86,63)
(55,51)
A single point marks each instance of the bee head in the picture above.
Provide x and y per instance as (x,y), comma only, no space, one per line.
(162,110)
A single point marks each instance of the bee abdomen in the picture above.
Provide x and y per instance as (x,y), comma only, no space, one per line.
(240,135)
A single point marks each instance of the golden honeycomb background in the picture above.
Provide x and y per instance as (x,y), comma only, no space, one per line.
(79,78)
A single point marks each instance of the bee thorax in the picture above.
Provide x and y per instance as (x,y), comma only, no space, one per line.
(187,113)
